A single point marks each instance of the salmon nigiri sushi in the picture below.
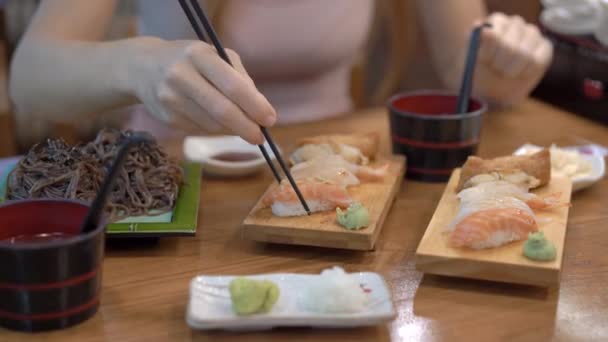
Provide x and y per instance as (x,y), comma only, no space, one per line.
(320,196)
(493,227)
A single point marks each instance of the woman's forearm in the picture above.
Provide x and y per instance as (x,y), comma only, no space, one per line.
(59,79)
(447,24)
(60,51)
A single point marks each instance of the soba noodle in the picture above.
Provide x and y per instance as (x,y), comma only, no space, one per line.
(147,185)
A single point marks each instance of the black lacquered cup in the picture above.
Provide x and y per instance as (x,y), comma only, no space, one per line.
(50,275)
(434,140)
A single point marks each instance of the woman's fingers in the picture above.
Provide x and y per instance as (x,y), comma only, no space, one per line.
(490,36)
(233,85)
(189,115)
(190,83)
(238,65)
(187,83)
(507,49)
(487,47)
(499,22)
(540,60)
(528,43)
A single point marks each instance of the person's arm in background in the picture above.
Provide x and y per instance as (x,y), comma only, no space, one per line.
(61,71)
(513,55)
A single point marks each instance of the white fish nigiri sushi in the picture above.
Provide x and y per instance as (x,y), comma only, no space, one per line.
(319,196)
(500,188)
(323,170)
(332,168)
(310,151)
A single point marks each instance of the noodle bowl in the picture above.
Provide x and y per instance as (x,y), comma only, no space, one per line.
(147,185)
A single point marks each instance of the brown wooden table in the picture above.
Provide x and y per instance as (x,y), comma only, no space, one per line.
(145,286)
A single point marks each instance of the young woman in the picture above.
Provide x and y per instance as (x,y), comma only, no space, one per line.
(293,57)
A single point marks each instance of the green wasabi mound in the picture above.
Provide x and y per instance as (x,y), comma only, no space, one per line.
(538,248)
(356,216)
(253,296)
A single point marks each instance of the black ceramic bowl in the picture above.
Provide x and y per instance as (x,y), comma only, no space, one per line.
(434,140)
(50,276)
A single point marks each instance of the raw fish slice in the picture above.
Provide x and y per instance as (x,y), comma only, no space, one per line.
(366,173)
(492,228)
(318,169)
(352,154)
(545,202)
(499,189)
(311,151)
(490,190)
(518,178)
(319,196)
(367,143)
(469,208)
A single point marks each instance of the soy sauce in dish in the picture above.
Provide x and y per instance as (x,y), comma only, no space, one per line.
(236,156)
(37,238)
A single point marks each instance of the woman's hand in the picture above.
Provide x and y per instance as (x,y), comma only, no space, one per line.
(186,83)
(513,57)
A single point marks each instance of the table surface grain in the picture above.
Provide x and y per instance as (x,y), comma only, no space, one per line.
(145,285)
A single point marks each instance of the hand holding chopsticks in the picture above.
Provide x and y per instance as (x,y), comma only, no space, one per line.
(208,28)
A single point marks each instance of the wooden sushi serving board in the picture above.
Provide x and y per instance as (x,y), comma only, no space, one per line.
(505,263)
(321,229)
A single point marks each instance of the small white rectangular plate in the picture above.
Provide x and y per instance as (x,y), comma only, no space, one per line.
(215,312)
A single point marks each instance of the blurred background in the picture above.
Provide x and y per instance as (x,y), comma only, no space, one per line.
(576,81)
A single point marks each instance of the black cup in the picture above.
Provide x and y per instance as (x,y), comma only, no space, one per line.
(434,140)
(50,275)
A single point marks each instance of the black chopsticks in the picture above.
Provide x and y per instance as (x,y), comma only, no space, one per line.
(94,215)
(222,53)
(466,84)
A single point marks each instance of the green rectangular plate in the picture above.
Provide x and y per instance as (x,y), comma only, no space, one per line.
(183,219)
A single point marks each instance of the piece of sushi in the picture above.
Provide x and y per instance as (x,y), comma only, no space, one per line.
(366,143)
(492,228)
(335,169)
(492,214)
(501,188)
(469,208)
(310,151)
(329,169)
(319,196)
(537,168)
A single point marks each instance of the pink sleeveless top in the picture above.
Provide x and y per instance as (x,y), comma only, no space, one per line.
(299,52)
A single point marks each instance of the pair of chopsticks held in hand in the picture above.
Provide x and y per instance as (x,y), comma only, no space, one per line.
(208,29)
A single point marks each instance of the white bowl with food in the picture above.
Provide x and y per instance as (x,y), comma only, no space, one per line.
(584,165)
(226,155)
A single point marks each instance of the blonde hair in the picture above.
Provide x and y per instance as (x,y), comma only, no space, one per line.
(389,44)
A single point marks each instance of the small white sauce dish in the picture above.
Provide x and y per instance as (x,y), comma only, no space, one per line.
(592,153)
(227,155)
